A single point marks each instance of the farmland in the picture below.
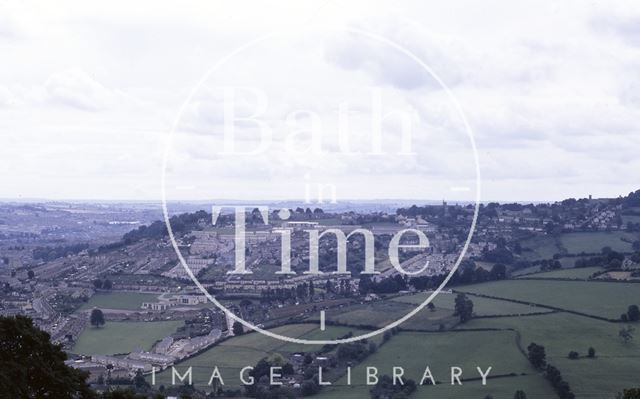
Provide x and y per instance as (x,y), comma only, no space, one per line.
(382,313)
(576,243)
(119,300)
(545,246)
(560,333)
(540,247)
(123,337)
(573,273)
(246,350)
(603,299)
(440,351)
(481,306)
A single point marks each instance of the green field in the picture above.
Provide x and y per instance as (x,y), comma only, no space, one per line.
(119,300)
(576,243)
(331,332)
(540,247)
(573,273)
(382,313)
(481,306)
(123,337)
(232,355)
(440,351)
(630,218)
(614,368)
(567,262)
(602,299)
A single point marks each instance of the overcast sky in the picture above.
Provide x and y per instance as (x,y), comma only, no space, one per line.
(90,92)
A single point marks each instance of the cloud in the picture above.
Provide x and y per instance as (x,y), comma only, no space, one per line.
(75,88)
(6,97)
(550,90)
(626,28)
(388,65)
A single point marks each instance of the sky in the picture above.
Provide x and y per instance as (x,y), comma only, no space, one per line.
(101,100)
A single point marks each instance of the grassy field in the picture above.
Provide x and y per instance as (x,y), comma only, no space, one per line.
(382,313)
(630,218)
(595,298)
(539,247)
(580,273)
(123,337)
(614,367)
(440,351)
(232,355)
(576,243)
(500,388)
(570,261)
(567,262)
(119,300)
(481,306)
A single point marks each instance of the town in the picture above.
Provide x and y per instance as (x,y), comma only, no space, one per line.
(105,282)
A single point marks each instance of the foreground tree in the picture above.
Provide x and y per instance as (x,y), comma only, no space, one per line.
(97,318)
(32,367)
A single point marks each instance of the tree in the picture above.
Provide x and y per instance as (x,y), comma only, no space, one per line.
(431,306)
(498,272)
(97,318)
(237,328)
(31,274)
(32,367)
(312,289)
(592,353)
(139,380)
(107,284)
(463,308)
(97,283)
(633,313)
(520,395)
(310,387)
(626,333)
(633,393)
(536,355)
(573,355)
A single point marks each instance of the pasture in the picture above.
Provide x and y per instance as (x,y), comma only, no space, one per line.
(609,372)
(122,337)
(119,300)
(481,306)
(416,350)
(593,242)
(604,299)
(246,350)
(540,247)
(573,273)
(382,313)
